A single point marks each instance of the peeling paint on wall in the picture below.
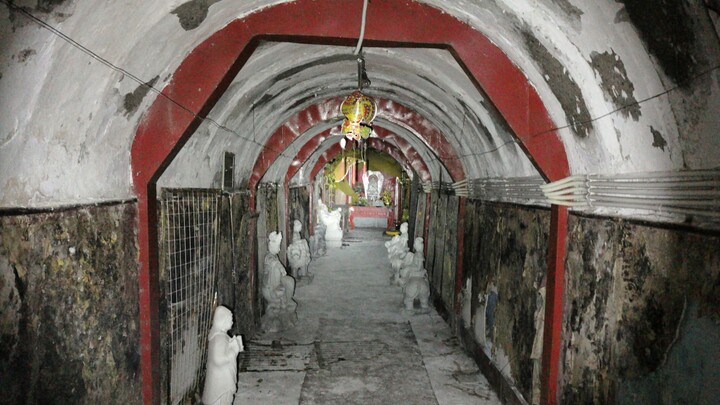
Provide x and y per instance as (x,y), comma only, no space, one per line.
(569,8)
(192,13)
(562,85)
(615,82)
(658,140)
(132,100)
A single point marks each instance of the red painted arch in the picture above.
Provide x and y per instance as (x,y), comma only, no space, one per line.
(409,157)
(325,157)
(404,149)
(329,109)
(403,153)
(304,153)
(207,71)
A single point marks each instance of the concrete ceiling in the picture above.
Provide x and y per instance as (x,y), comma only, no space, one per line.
(75,106)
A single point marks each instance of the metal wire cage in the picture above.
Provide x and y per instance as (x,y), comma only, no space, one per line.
(189,219)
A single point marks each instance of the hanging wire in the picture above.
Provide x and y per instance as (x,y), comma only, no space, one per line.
(133,77)
(362,28)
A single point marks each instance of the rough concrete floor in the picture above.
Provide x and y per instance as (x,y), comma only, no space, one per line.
(353,345)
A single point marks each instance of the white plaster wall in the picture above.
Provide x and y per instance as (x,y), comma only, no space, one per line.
(65,136)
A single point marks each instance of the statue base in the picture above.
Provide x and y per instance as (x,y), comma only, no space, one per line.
(333,243)
(278,320)
(304,280)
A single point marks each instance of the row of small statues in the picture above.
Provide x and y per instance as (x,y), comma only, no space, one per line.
(408,270)
(278,289)
(277,286)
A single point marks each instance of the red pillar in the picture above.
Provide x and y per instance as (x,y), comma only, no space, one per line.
(148,296)
(555,286)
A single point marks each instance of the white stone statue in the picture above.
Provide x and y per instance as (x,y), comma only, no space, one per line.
(221,370)
(321,210)
(397,250)
(298,254)
(331,220)
(372,183)
(317,241)
(277,289)
(413,279)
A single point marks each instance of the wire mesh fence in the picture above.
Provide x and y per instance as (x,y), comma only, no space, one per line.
(190,220)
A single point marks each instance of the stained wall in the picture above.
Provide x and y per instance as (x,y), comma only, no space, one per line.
(237,275)
(642,314)
(441,256)
(504,264)
(69,325)
(298,209)
(641,309)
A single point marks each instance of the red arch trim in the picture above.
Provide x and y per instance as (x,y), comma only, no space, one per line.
(207,71)
(404,153)
(412,159)
(329,109)
(325,157)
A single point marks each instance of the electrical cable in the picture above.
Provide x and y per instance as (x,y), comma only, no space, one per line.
(589,121)
(116,68)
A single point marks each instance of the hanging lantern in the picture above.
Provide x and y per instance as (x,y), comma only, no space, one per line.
(359,111)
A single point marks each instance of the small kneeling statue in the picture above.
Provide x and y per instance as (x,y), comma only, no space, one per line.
(221,370)
(278,289)
(413,279)
(298,255)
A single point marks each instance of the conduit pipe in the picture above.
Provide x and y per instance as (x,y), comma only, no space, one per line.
(501,189)
(688,192)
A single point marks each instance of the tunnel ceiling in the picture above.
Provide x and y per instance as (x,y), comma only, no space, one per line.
(281,79)
(626,90)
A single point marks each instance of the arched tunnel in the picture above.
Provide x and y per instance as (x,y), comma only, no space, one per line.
(560,158)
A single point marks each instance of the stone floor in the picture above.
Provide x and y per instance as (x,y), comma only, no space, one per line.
(353,345)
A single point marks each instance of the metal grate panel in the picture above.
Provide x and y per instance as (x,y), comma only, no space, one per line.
(190,219)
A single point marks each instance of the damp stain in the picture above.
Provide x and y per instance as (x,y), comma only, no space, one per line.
(615,82)
(192,13)
(25,55)
(666,28)
(49,5)
(563,86)
(658,140)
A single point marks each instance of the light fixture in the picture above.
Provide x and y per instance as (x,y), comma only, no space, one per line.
(359,110)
